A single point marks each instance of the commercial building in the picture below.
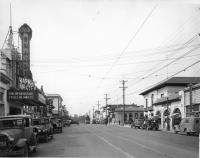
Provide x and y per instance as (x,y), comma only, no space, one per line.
(165,100)
(18,93)
(57,103)
(131,112)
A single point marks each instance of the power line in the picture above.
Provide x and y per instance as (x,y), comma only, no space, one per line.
(130,41)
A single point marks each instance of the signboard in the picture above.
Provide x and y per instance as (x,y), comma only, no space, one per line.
(41,98)
(26,84)
(33,96)
(18,95)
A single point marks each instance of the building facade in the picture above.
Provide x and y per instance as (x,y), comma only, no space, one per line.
(131,112)
(165,101)
(191,99)
(57,103)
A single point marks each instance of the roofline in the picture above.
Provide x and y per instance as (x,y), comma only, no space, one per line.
(15,116)
(166,82)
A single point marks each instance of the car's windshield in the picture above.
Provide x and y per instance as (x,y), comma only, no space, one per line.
(15,123)
(36,122)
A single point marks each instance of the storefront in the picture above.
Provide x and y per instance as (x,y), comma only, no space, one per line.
(30,101)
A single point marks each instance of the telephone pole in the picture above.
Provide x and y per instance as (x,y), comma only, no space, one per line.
(191,105)
(98,110)
(123,89)
(93,113)
(106,98)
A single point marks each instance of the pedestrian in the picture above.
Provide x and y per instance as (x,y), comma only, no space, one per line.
(119,122)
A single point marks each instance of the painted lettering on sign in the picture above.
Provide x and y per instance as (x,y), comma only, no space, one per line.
(26,84)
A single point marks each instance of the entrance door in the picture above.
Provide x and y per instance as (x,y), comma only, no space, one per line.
(15,111)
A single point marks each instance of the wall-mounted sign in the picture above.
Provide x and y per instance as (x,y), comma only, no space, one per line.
(26,96)
(26,84)
(41,98)
(18,95)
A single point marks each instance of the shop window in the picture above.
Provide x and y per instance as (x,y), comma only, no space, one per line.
(196,107)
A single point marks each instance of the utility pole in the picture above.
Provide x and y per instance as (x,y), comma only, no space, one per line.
(98,110)
(191,106)
(106,98)
(93,113)
(123,89)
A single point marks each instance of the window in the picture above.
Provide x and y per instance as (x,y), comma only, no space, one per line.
(146,103)
(136,115)
(152,99)
(162,95)
(1,96)
(26,122)
(25,39)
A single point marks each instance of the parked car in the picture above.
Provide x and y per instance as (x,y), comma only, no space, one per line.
(138,123)
(189,125)
(74,122)
(150,124)
(17,136)
(43,128)
(57,124)
(67,122)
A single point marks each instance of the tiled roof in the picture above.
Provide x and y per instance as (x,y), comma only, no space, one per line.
(174,81)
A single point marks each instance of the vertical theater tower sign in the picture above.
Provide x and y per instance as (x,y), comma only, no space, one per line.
(25,33)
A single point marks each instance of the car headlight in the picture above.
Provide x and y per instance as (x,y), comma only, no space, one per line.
(11,138)
(39,130)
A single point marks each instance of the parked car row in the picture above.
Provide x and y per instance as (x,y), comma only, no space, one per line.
(20,134)
(188,125)
(149,124)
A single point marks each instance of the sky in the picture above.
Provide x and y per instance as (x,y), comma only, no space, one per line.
(83,49)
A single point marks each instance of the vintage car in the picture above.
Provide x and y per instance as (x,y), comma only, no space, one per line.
(67,122)
(150,124)
(188,126)
(16,136)
(137,123)
(57,124)
(43,128)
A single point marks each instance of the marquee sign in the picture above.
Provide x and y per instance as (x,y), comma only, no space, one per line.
(20,95)
(26,96)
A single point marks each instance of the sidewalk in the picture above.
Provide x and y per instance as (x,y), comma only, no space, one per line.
(128,126)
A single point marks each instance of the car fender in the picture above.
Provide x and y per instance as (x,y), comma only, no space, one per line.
(21,142)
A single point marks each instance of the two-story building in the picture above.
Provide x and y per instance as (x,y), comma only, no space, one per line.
(191,100)
(130,112)
(164,100)
(57,103)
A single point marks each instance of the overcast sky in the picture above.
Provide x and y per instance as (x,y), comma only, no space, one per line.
(82,49)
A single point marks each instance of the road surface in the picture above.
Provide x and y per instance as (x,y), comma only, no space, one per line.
(115,141)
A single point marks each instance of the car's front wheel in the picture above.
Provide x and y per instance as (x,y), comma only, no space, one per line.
(46,138)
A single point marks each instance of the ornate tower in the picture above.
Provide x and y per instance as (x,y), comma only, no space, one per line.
(25,34)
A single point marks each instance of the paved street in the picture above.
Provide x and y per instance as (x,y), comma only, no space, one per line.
(115,141)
